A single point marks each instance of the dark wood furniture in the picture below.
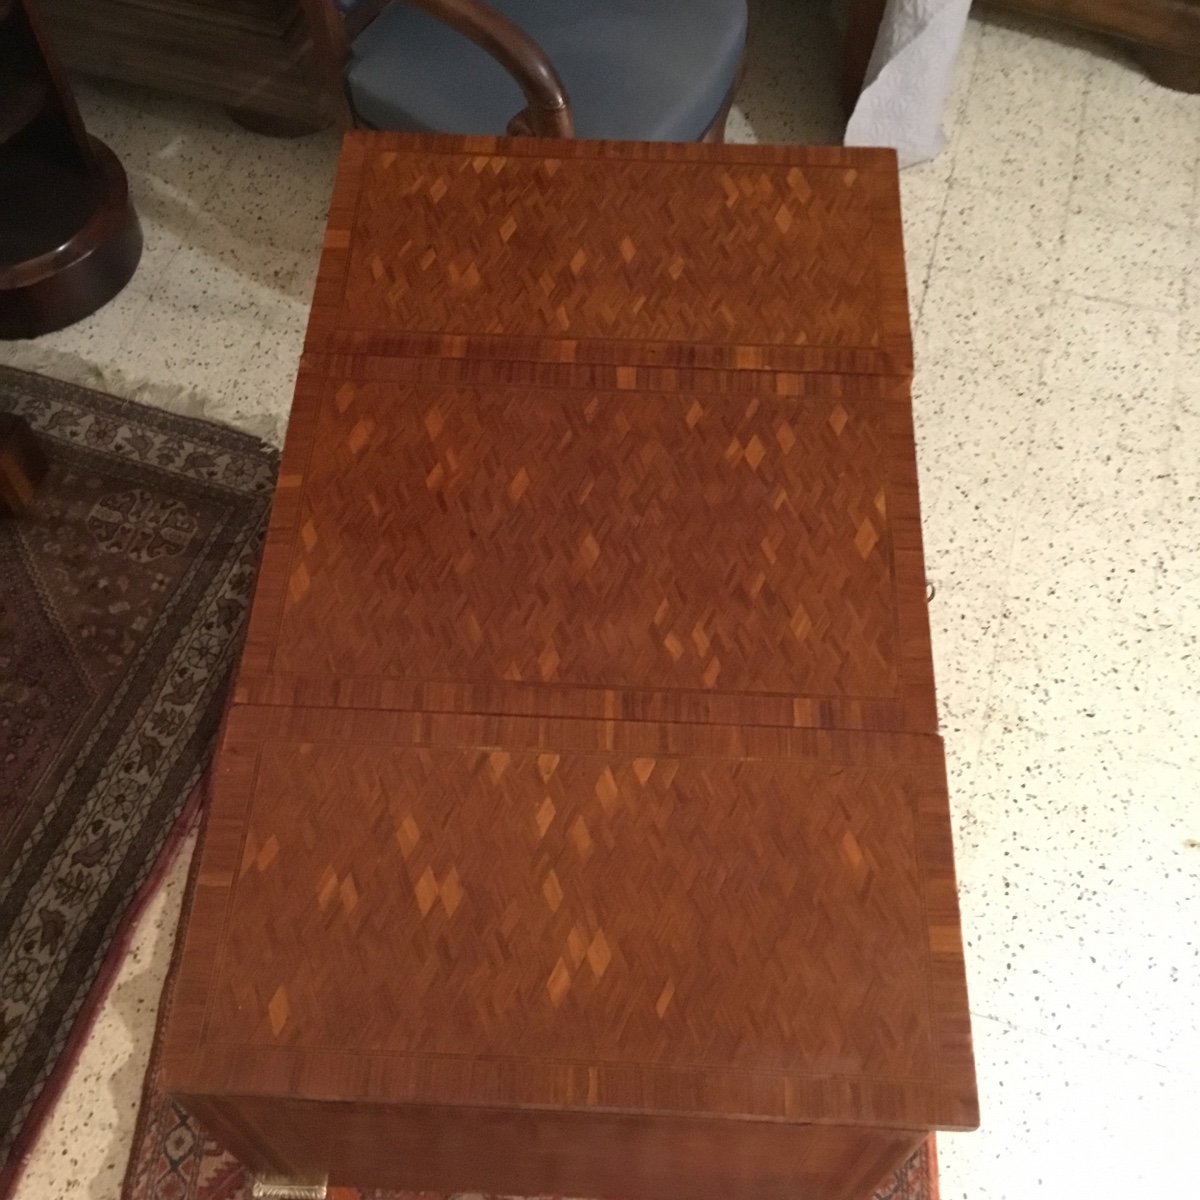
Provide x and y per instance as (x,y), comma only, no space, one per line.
(69,236)
(580,823)
(256,57)
(863,18)
(278,65)
(22,465)
(1164,35)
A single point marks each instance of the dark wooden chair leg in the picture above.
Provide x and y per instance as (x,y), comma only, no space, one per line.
(22,465)
(1170,68)
(863,18)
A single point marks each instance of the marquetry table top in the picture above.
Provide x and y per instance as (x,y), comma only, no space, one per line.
(582,765)
(553,548)
(770,257)
(542,912)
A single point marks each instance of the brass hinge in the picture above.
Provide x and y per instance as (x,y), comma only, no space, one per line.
(279,1187)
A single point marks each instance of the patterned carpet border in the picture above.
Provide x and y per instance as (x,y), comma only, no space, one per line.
(110,968)
(122,602)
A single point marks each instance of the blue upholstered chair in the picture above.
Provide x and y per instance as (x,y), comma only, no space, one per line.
(658,70)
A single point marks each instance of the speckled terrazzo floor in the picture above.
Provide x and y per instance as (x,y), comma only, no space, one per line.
(1053,254)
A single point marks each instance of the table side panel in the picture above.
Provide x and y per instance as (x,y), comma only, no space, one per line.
(454,1150)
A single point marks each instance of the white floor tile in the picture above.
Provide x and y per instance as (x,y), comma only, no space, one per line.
(1095,684)
(1188,368)
(1016,237)
(1133,179)
(275,194)
(1139,147)
(968,543)
(1020,126)
(980,426)
(790,91)
(167,145)
(1061,1121)
(923,198)
(965,625)
(1091,559)
(974,325)
(1091,938)
(1176,597)
(1183,463)
(83,351)
(198,360)
(1131,262)
(1092,507)
(964,76)
(1107,349)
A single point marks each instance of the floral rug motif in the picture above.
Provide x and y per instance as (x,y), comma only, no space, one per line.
(123,594)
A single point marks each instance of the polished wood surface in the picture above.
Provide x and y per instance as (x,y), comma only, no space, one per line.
(531,1153)
(580,822)
(680,555)
(252,55)
(1170,68)
(69,235)
(646,896)
(754,257)
(99,250)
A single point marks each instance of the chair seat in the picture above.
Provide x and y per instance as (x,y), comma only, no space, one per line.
(655,70)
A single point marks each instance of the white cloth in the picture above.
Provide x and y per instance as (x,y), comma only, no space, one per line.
(909,77)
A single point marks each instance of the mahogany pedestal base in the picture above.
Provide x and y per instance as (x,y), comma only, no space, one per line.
(71,243)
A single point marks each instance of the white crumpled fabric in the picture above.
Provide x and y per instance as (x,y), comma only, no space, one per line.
(909,78)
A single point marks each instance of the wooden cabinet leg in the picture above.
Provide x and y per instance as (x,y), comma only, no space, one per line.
(863,18)
(1170,68)
(329,106)
(22,465)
